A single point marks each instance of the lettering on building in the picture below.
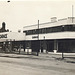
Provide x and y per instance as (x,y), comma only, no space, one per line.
(3,36)
(34,37)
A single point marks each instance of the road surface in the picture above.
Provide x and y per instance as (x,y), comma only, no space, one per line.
(44,64)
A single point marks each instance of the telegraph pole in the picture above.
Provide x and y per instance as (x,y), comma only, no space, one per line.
(72,13)
(38,39)
(38,30)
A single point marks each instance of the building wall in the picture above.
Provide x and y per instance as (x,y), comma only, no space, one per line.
(53,38)
(68,32)
(12,36)
(58,35)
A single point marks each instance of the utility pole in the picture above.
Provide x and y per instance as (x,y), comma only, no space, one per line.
(38,39)
(72,13)
(38,30)
(62,49)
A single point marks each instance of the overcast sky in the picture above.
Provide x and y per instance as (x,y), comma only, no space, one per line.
(19,13)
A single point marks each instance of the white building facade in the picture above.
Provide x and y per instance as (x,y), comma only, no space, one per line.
(55,35)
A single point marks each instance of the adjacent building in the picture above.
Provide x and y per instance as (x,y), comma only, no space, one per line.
(10,41)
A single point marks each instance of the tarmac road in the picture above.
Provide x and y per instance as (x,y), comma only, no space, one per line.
(12,64)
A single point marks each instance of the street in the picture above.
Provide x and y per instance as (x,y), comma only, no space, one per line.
(44,64)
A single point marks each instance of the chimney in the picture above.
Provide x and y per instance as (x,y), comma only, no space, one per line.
(19,31)
(3,25)
(53,19)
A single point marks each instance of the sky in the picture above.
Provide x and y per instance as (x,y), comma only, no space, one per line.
(19,13)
